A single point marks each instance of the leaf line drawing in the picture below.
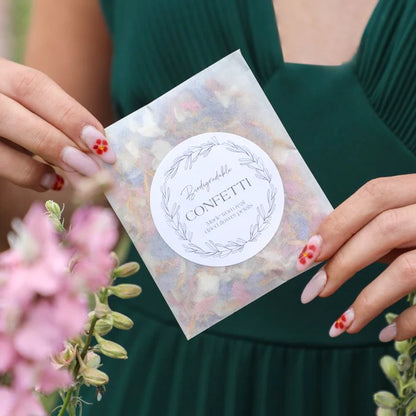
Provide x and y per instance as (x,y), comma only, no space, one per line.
(212,248)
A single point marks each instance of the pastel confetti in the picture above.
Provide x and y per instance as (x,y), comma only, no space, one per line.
(222,103)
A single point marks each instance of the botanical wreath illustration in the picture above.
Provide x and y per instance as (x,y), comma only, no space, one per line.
(217,249)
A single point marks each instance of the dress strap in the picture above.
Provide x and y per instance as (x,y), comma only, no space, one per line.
(385,65)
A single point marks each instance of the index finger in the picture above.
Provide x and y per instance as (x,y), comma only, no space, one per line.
(354,213)
(42,96)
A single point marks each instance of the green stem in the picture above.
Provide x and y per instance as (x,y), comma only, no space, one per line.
(66,401)
(78,366)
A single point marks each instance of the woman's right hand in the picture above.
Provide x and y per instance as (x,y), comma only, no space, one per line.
(37,117)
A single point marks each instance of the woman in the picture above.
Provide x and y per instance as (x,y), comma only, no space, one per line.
(347,100)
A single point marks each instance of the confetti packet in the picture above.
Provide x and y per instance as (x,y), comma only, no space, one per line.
(213,193)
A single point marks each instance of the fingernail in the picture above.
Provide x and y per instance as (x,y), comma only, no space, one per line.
(79,161)
(388,333)
(59,183)
(52,181)
(342,323)
(314,287)
(97,142)
(48,180)
(309,253)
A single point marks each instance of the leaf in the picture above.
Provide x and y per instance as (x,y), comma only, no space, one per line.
(175,209)
(259,175)
(262,211)
(245,160)
(206,152)
(210,244)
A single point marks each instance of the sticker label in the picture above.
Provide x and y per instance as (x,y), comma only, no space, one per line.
(217,199)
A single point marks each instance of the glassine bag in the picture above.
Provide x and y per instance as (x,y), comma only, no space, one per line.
(213,193)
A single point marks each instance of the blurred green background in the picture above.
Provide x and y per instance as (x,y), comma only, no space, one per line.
(20,11)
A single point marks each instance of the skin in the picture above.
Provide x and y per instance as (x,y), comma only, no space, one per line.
(74,34)
(373,224)
(376,222)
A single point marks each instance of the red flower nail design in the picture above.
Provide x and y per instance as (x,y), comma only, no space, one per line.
(97,142)
(309,253)
(342,323)
(100,146)
(59,183)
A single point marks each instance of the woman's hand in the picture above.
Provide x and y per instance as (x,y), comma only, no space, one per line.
(38,118)
(377,223)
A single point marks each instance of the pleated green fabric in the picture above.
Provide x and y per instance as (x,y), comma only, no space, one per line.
(385,66)
(351,123)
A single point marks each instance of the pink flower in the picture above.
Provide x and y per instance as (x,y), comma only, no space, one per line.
(93,272)
(37,262)
(43,303)
(93,230)
(50,323)
(51,379)
(7,399)
(93,234)
(39,337)
(28,405)
(39,375)
(8,355)
(25,404)
(18,404)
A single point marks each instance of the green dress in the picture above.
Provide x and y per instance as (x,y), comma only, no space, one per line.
(351,123)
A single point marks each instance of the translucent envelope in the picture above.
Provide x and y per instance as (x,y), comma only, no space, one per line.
(213,193)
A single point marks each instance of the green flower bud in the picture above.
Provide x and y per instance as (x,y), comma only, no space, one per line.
(94,377)
(386,400)
(127,269)
(53,209)
(92,360)
(389,366)
(121,321)
(390,317)
(103,326)
(101,309)
(55,214)
(386,412)
(402,346)
(126,290)
(111,349)
(404,362)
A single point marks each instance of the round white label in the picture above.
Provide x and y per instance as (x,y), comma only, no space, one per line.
(217,199)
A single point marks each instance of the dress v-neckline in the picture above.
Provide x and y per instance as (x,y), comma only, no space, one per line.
(275,40)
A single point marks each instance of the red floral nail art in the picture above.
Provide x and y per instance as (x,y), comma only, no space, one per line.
(340,322)
(308,252)
(100,146)
(59,183)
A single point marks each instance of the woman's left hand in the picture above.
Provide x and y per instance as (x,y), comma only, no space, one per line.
(377,223)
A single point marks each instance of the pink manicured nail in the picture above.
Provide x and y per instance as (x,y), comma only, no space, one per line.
(52,181)
(48,180)
(79,161)
(342,323)
(97,142)
(388,333)
(314,287)
(309,253)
